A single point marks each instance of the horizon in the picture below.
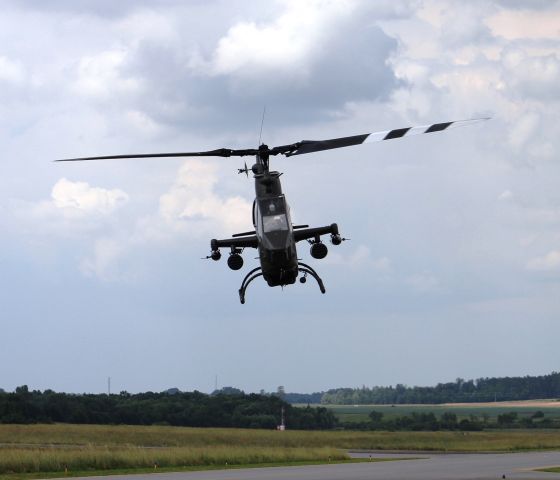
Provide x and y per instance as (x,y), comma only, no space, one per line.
(261,391)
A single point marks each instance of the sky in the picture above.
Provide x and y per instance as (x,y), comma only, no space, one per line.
(453,267)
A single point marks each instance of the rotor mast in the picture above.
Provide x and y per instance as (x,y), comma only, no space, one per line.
(263,156)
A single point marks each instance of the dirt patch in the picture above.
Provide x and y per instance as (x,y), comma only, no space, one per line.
(550,403)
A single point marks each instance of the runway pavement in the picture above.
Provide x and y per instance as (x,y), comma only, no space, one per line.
(424,467)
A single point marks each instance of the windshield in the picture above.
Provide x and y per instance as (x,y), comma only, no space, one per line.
(273,206)
(273,223)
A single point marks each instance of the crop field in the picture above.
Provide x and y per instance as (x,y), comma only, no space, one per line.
(49,450)
(490,411)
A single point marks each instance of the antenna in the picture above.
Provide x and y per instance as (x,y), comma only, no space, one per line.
(108,385)
(262,123)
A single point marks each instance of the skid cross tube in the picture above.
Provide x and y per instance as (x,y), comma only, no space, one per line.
(257,272)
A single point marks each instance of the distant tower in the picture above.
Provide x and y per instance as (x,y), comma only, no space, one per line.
(108,385)
(282,425)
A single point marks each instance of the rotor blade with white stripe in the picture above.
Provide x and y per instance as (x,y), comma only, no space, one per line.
(309,146)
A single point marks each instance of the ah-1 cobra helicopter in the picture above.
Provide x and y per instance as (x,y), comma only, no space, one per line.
(275,236)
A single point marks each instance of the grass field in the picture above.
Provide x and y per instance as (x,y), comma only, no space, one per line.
(359,413)
(104,458)
(50,449)
(157,439)
(553,470)
(79,449)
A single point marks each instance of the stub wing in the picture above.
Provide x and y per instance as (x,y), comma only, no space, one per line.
(237,242)
(312,233)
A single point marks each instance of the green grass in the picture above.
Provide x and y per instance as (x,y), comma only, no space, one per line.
(96,459)
(155,436)
(46,450)
(49,450)
(551,469)
(102,458)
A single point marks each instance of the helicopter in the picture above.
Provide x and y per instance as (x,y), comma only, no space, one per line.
(274,235)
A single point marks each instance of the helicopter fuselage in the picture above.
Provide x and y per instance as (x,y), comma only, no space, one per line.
(274,231)
(275,237)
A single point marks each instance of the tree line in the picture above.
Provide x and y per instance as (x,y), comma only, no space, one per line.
(428,421)
(192,409)
(479,390)
(230,409)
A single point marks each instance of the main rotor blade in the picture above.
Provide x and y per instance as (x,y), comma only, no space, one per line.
(221,152)
(309,146)
(299,148)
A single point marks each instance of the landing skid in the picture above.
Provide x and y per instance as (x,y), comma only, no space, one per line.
(257,272)
(247,280)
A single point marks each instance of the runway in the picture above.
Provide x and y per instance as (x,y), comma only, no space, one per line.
(424,467)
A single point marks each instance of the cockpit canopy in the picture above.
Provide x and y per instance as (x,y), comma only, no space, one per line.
(273,223)
(273,213)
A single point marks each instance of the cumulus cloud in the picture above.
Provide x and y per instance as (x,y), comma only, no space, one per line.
(301,61)
(471,70)
(79,198)
(526,23)
(100,75)
(74,207)
(192,203)
(533,76)
(86,216)
(102,263)
(550,261)
(190,210)
(300,50)
(289,40)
